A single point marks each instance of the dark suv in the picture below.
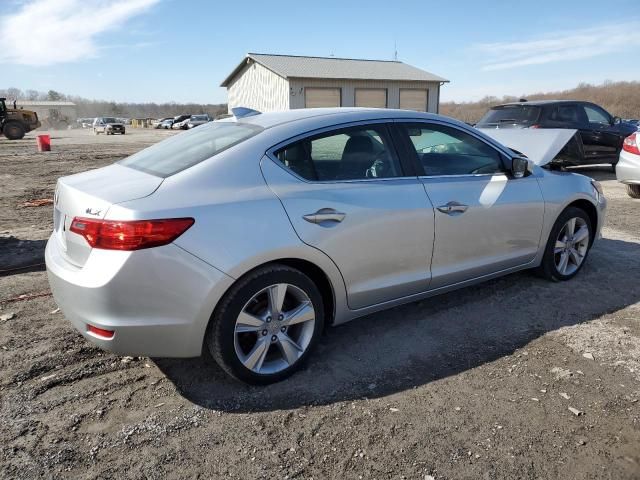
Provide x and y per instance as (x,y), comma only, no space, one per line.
(601,134)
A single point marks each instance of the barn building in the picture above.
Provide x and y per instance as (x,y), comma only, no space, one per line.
(282,82)
(50,112)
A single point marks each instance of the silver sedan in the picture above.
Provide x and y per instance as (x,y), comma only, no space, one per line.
(248,236)
(628,167)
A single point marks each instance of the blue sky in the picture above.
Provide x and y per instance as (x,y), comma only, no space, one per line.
(180,50)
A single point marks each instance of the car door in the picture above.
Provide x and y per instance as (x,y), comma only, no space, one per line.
(600,138)
(347,194)
(485,220)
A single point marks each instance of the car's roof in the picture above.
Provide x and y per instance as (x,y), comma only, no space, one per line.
(539,102)
(346,114)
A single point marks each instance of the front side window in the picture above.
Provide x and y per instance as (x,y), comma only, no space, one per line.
(187,149)
(596,115)
(350,154)
(446,150)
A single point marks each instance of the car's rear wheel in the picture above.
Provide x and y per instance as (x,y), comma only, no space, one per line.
(568,245)
(266,325)
(633,191)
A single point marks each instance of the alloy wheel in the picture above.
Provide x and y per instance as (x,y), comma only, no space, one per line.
(571,246)
(274,328)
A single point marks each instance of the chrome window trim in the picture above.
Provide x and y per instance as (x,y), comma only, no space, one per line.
(465,175)
(270,153)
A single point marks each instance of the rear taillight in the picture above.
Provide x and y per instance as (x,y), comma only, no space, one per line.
(630,144)
(130,234)
(535,125)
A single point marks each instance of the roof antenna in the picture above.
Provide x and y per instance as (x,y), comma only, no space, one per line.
(395,50)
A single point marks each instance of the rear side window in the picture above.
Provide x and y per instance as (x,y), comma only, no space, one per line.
(445,150)
(565,114)
(190,148)
(510,115)
(349,154)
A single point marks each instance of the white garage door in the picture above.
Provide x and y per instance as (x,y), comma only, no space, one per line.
(321,97)
(414,99)
(371,97)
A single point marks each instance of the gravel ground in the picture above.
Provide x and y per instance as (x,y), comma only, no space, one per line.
(517,378)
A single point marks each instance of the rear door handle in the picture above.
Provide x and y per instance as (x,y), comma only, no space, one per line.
(453,208)
(325,215)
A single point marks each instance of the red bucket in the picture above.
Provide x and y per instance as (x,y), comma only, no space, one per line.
(44,143)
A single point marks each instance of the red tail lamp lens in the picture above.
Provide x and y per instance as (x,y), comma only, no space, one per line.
(630,144)
(130,235)
(100,332)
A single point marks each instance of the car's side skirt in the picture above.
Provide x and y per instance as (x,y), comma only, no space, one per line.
(345,316)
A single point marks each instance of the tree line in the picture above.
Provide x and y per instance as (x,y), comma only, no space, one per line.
(87,108)
(618,98)
(621,99)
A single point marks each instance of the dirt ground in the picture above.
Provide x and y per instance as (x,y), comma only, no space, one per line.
(474,384)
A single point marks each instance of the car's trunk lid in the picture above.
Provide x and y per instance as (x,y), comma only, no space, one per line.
(90,194)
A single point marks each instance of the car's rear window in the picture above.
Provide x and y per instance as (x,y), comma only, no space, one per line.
(190,148)
(510,115)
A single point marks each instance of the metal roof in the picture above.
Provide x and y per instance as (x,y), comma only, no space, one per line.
(44,103)
(291,66)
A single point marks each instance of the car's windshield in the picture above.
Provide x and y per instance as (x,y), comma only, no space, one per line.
(510,115)
(110,120)
(188,149)
(199,117)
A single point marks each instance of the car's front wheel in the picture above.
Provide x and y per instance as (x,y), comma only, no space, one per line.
(266,325)
(568,245)
(633,191)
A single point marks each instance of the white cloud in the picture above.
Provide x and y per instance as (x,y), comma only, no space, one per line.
(560,47)
(46,32)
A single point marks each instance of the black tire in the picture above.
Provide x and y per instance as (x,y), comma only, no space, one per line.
(221,332)
(547,268)
(14,130)
(633,191)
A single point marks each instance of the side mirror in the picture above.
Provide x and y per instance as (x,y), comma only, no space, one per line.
(616,120)
(519,166)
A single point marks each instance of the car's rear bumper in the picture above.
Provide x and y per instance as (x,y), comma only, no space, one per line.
(156,301)
(628,168)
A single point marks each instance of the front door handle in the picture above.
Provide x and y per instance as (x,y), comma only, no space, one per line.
(453,208)
(325,215)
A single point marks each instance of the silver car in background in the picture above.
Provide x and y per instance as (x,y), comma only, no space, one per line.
(628,167)
(197,120)
(247,236)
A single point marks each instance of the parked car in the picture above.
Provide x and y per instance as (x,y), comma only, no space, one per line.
(166,124)
(180,122)
(601,134)
(206,241)
(197,120)
(628,168)
(158,123)
(85,122)
(108,125)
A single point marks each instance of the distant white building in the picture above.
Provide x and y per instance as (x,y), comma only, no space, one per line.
(282,82)
(49,110)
